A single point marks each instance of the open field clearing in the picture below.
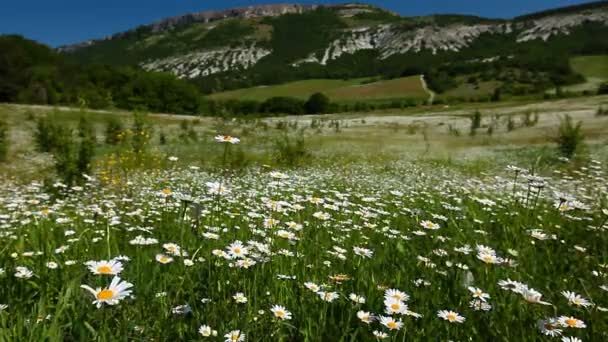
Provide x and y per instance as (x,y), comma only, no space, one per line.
(337,90)
(593,68)
(390,225)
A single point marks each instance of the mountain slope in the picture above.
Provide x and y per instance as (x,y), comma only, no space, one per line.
(277,43)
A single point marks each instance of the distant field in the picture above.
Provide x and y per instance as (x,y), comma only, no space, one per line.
(593,68)
(337,90)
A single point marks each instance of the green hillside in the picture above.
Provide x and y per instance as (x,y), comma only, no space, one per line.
(359,89)
(591,66)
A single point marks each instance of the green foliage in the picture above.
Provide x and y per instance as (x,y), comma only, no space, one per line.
(86,147)
(569,137)
(282,105)
(290,151)
(295,36)
(33,73)
(475,122)
(114,130)
(603,89)
(4,140)
(50,135)
(141,132)
(72,154)
(318,103)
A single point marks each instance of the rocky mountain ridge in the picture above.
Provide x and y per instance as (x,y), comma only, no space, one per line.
(387,38)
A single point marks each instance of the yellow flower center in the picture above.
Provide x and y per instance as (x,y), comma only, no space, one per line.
(451,317)
(237,251)
(105,294)
(280,314)
(488,258)
(392,325)
(166,191)
(105,269)
(395,306)
(571,322)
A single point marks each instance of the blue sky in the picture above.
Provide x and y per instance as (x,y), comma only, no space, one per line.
(70,21)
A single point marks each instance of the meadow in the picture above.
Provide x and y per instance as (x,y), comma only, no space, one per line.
(358,89)
(411,225)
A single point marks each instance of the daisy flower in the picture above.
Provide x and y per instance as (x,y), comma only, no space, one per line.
(240,298)
(429,225)
(23,272)
(571,339)
(365,317)
(235,336)
(163,259)
(450,316)
(394,306)
(549,327)
(328,296)
(206,331)
(227,139)
(105,267)
(112,294)
(390,323)
(533,296)
(380,334)
(396,294)
(478,293)
(356,298)
(237,250)
(575,299)
(280,312)
(571,322)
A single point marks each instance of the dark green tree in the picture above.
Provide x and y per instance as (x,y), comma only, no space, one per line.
(318,103)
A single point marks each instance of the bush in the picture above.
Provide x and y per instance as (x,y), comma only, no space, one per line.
(282,105)
(72,154)
(569,137)
(114,130)
(475,122)
(50,136)
(290,151)
(318,103)
(4,142)
(603,89)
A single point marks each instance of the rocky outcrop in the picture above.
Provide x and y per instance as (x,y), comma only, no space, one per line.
(390,40)
(205,63)
(550,26)
(387,39)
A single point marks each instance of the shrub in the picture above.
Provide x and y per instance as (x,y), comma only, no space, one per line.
(50,136)
(318,103)
(282,105)
(603,89)
(114,130)
(569,137)
(141,132)
(510,124)
(290,151)
(475,122)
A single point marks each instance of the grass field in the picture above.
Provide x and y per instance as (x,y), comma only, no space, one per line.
(379,226)
(338,90)
(593,68)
